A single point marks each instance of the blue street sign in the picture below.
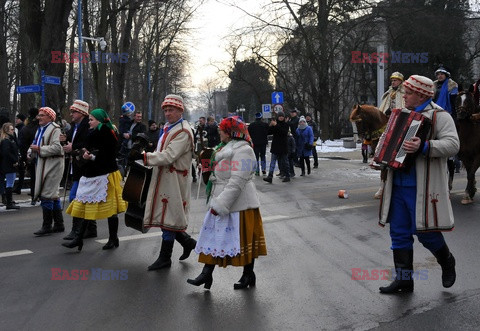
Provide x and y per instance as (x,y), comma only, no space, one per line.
(267,108)
(277,97)
(29,89)
(51,80)
(129,106)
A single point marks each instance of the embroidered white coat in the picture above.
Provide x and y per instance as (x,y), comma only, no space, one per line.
(50,164)
(168,199)
(233,188)
(433,207)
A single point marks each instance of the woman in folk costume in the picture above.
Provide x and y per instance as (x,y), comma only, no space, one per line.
(47,152)
(232,231)
(99,194)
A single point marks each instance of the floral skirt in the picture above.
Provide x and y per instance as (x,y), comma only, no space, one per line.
(101,210)
(252,242)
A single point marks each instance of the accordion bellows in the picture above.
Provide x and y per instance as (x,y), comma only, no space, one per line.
(402,125)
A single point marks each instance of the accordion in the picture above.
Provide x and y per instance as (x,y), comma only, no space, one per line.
(402,125)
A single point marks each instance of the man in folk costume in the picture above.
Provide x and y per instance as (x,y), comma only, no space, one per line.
(168,200)
(416,201)
(391,99)
(48,154)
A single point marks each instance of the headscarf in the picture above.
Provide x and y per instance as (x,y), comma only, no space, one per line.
(235,128)
(102,116)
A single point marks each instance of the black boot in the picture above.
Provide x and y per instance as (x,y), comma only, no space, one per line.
(403,282)
(76,222)
(365,156)
(91,230)
(4,199)
(78,241)
(447,262)
(269,178)
(204,278)
(47,223)
(164,260)
(8,195)
(187,242)
(248,278)
(58,221)
(112,233)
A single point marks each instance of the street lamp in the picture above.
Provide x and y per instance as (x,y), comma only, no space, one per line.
(242,110)
(100,40)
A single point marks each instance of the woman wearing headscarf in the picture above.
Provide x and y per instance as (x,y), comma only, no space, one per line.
(8,161)
(99,193)
(232,231)
(304,144)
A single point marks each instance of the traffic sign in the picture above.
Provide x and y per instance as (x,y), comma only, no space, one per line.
(277,97)
(51,80)
(277,108)
(128,107)
(29,89)
(266,108)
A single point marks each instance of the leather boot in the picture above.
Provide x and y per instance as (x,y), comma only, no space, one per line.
(78,241)
(58,221)
(447,262)
(4,199)
(47,223)
(91,230)
(76,222)
(8,196)
(269,178)
(248,278)
(164,260)
(187,242)
(365,155)
(403,282)
(112,233)
(204,278)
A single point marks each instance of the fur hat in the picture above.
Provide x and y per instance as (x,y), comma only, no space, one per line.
(302,118)
(442,69)
(80,106)
(173,100)
(50,112)
(420,84)
(397,75)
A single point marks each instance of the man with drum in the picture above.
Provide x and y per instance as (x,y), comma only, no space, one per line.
(416,201)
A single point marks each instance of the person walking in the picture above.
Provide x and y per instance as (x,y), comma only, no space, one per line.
(28,133)
(279,149)
(74,141)
(232,231)
(304,144)
(99,193)
(19,125)
(49,157)
(8,161)
(316,134)
(168,199)
(258,131)
(416,201)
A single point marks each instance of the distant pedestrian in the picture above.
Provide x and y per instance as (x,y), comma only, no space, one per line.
(9,161)
(28,133)
(316,134)
(304,144)
(153,133)
(212,132)
(279,149)
(19,125)
(258,131)
(292,153)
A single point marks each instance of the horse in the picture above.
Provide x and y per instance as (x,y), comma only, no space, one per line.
(468,128)
(370,122)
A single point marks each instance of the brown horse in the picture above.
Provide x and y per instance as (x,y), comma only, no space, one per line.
(370,122)
(468,128)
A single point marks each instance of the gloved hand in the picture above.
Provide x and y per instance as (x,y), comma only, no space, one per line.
(213,211)
(134,155)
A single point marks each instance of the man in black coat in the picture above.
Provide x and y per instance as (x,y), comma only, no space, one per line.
(258,131)
(279,129)
(212,132)
(74,141)
(28,133)
(19,125)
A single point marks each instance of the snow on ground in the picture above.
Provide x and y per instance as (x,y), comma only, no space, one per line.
(329,146)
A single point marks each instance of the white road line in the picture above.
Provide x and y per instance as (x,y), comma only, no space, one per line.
(354,205)
(133,237)
(273,217)
(15,253)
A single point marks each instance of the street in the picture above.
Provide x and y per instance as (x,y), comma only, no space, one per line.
(314,240)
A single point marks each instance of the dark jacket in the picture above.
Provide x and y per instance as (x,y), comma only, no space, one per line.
(78,143)
(124,124)
(138,128)
(258,131)
(27,133)
(294,125)
(103,144)
(291,147)
(212,135)
(279,140)
(9,152)
(153,137)
(314,127)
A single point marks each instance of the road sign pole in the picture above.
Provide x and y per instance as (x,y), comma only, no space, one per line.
(42,84)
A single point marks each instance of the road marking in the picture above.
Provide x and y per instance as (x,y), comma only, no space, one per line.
(273,217)
(354,205)
(15,253)
(133,237)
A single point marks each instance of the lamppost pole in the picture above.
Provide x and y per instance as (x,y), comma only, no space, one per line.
(80,41)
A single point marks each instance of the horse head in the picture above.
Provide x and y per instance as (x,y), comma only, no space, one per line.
(465,105)
(367,118)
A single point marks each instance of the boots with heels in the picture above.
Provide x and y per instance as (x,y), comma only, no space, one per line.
(204,278)
(78,241)
(248,278)
(112,233)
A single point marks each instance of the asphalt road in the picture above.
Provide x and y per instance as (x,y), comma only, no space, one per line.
(314,240)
